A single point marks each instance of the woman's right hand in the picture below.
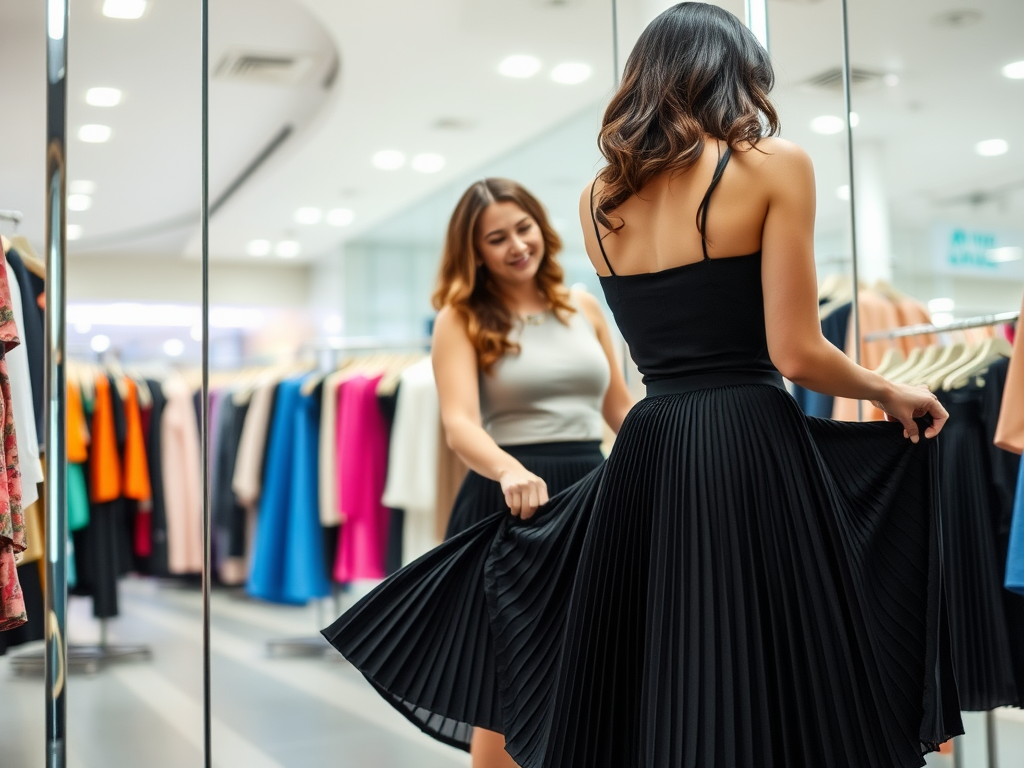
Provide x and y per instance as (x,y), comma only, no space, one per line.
(523,490)
(905,403)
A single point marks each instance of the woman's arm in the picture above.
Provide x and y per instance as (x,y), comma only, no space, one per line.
(456,373)
(795,342)
(617,400)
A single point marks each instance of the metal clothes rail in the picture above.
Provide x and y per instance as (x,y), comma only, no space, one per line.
(981,321)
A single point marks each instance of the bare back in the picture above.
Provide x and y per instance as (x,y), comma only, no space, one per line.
(661,223)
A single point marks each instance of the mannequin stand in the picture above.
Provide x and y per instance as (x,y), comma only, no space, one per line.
(305,647)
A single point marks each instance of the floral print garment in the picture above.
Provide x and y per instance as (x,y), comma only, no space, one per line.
(12,521)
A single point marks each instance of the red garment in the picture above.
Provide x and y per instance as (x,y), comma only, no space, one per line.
(144,515)
(12,520)
(362,463)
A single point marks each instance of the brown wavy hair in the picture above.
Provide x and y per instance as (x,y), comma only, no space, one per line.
(696,71)
(467,287)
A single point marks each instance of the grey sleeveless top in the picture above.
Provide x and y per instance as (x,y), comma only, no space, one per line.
(553,390)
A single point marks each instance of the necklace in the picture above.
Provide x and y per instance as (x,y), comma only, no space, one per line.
(535,319)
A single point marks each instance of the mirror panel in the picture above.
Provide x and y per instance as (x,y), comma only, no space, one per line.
(325,255)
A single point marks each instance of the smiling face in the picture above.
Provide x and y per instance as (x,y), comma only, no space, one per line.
(509,243)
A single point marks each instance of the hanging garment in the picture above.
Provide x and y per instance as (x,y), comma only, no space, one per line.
(1015,554)
(387,401)
(228,515)
(21,398)
(12,522)
(287,565)
(1010,432)
(362,458)
(977,483)
(248,477)
(329,477)
(737,585)
(159,559)
(33,331)
(412,460)
(182,471)
(78,454)
(103,548)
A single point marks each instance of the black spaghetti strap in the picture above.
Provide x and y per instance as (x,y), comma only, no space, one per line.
(719,170)
(597,230)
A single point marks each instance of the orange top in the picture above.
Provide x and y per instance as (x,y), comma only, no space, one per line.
(136,469)
(78,433)
(105,466)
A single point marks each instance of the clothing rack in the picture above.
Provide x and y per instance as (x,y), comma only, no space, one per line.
(958,325)
(327,351)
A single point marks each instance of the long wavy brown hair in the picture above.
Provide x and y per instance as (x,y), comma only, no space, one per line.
(696,71)
(467,287)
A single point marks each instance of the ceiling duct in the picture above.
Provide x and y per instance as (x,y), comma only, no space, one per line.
(832,79)
(277,68)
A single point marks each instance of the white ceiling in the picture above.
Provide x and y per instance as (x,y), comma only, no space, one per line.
(405,65)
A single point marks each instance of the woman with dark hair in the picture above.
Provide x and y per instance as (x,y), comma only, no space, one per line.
(739,585)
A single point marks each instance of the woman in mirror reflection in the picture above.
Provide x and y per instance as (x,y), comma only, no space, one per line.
(739,585)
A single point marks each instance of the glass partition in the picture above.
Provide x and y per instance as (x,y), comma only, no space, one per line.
(133,682)
(352,133)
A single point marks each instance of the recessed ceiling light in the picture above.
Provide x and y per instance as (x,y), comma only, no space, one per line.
(1014,71)
(389,159)
(124,9)
(79,202)
(428,162)
(258,247)
(308,215)
(83,326)
(334,324)
(941,305)
(843,192)
(827,124)
(94,134)
(340,217)
(196,333)
(991,147)
(519,66)
(81,187)
(73,232)
(571,73)
(1007,253)
(287,249)
(174,347)
(99,343)
(891,79)
(103,97)
(942,318)
(854,119)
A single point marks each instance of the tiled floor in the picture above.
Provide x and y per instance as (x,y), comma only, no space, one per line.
(268,712)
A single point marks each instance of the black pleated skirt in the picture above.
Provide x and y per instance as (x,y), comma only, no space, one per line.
(558,464)
(986,620)
(738,586)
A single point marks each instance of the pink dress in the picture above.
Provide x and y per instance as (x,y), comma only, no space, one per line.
(12,521)
(362,459)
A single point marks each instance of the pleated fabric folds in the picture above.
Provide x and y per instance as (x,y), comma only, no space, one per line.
(739,586)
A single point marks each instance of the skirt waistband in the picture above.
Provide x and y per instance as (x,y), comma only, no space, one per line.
(563,448)
(680,385)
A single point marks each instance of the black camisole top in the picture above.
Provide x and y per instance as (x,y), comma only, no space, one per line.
(697,325)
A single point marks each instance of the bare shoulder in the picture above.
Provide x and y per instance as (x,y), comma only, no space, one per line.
(450,324)
(775,154)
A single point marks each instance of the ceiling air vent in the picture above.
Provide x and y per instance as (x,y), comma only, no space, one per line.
(263,67)
(832,79)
